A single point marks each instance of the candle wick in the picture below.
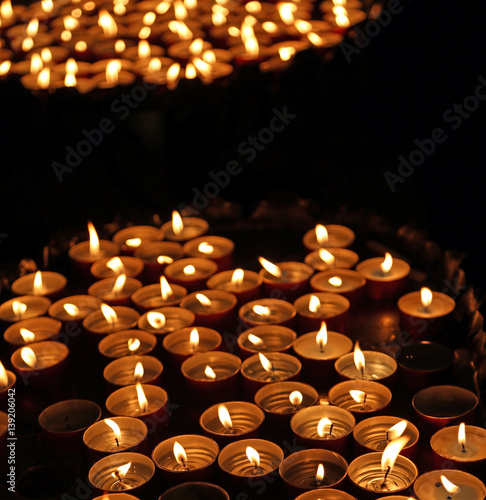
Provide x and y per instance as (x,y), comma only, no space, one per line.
(117,443)
(185,467)
(463,447)
(68,427)
(364,400)
(120,479)
(386,475)
(386,436)
(362,372)
(330,429)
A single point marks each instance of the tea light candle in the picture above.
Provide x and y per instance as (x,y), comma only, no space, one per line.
(345,282)
(115,291)
(164,320)
(109,320)
(74,308)
(286,280)
(63,424)
(187,457)
(24,307)
(267,312)
(191,273)
(213,308)
(157,256)
(32,330)
(121,472)
(425,314)
(184,229)
(132,267)
(132,369)
(313,308)
(245,285)
(331,494)
(331,258)
(312,469)
(266,338)
(231,421)
(160,295)
(446,484)
(216,248)
(385,278)
(321,426)
(42,364)
(130,238)
(44,283)
(363,398)
(127,343)
(328,236)
(7,382)
(114,435)
(116,496)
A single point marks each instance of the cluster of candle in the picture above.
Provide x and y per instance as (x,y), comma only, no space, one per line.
(288,357)
(86,44)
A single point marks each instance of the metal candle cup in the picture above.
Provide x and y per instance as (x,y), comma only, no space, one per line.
(42,328)
(280,313)
(298,470)
(219,313)
(429,486)
(269,338)
(116,345)
(150,297)
(246,291)
(103,290)
(130,238)
(333,309)
(201,271)
(216,248)
(117,496)
(194,488)
(150,254)
(201,453)
(83,259)
(85,305)
(63,424)
(5,390)
(335,436)
(35,307)
(343,259)
(421,322)
(245,422)
(193,228)
(97,326)
(174,319)
(338,237)
(349,284)
(52,284)
(293,282)
(120,372)
(132,268)
(331,494)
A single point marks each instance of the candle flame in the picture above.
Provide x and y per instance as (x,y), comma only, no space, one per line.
(114,426)
(303,27)
(237,277)
(156,319)
(314,304)
(359,359)
(27,44)
(142,399)
(209,372)
(335,281)
(119,284)
(47,6)
(461,435)
(387,264)
(28,356)
(36,63)
(180,11)
(195,49)
(109,314)
(286,11)
(116,265)
(81,46)
(18,308)
(70,23)
(46,55)
(321,426)
(255,340)
(107,23)
(27,335)
(253,7)
(149,18)
(71,65)
(172,75)
(358,396)
(120,46)
(273,269)
(38,286)
(162,7)
(270,27)
(224,417)
(253,456)
(5,67)
(44,78)
(32,27)
(266,363)
(326,256)
(315,39)
(71,309)
(136,242)
(94,242)
(320,473)
(180,454)
(321,337)
(342,20)
(426,296)
(218,18)
(322,236)
(391,452)
(286,53)
(233,31)
(205,248)
(450,487)
(164,259)
(3,376)
(177,224)
(133,344)
(296,398)
(194,338)
(203,299)
(165,289)
(396,430)
(248,37)
(263,311)
(113,69)
(6,11)
(139,371)
(121,472)
(191,72)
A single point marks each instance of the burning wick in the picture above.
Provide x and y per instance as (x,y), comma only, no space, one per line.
(180,455)
(359,397)
(296,398)
(68,426)
(461,436)
(383,485)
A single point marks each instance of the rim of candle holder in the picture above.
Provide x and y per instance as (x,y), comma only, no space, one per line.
(191,299)
(302,304)
(180,490)
(365,267)
(116,496)
(123,397)
(165,450)
(446,354)
(169,312)
(64,407)
(11,380)
(154,291)
(80,251)
(365,428)
(190,248)
(3,422)
(206,266)
(312,335)
(292,361)
(37,306)
(279,332)
(124,336)
(306,271)
(144,232)
(44,328)
(310,239)
(225,276)
(453,430)
(330,494)
(278,305)
(101,289)
(268,392)
(146,251)
(189,222)
(405,303)
(58,307)
(58,352)
(347,360)
(436,395)
(133,267)
(340,254)
(310,456)
(315,281)
(18,288)
(338,394)
(115,366)
(176,337)
(209,358)
(121,311)
(431,479)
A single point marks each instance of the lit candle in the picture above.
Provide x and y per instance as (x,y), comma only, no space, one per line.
(132,237)
(313,308)
(184,229)
(245,285)
(165,320)
(449,484)
(191,273)
(157,256)
(266,338)
(44,283)
(331,258)
(132,369)
(328,236)
(114,266)
(24,307)
(127,343)
(109,320)
(32,330)
(163,294)
(74,308)
(216,248)
(345,282)
(115,291)
(7,382)
(267,312)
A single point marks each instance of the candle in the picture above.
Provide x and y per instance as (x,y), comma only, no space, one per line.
(32,330)
(266,338)
(313,308)
(245,285)
(328,236)
(448,484)
(24,307)
(132,369)
(109,320)
(116,496)
(385,278)
(231,421)
(74,308)
(7,383)
(188,457)
(165,320)
(191,273)
(63,424)
(3,430)
(127,343)
(130,238)
(132,267)
(331,494)
(194,489)
(115,291)
(332,258)
(122,472)
(184,229)
(425,314)
(267,312)
(157,256)
(44,283)
(163,294)
(216,248)
(349,284)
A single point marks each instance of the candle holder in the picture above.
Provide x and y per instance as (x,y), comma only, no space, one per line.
(52,284)
(130,238)
(156,256)
(345,282)
(335,236)
(7,384)
(190,273)
(213,308)
(150,297)
(121,372)
(117,496)
(196,463)
(373,434)
(24,307)
(331,494)
(245,287)
(105,475)
(422,322)
(368,478)
(383,285)
(442,405)
(196,489)
(84,305)
(193,227)
(312,432)
(132,267)
(97,326)
(103,291)
(299,470)
(63,424)
(101,439)
(267,312)
(47,369)
(313,308)
(216,248)
(279,367)
(3,431)
(42,328)
(164,320)
(244,422)
(293,282)
(377,399)
(215,384)
(266,338)
(243,470)
(83,259)
(127,343)
(335,258)
(429,485)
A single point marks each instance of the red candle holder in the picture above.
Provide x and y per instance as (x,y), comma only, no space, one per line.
(157,256)
(333,236)
(132,267)
(326,259)
(52,284)
(83,259)
(191,273)
(130,238)
(331,494)
(345,282)
(42,328)
(246,286)
(430,484)
(151,296)
(83,305)
(24,307)
(7,386)
(103,291)
(121,372)
(216,248)
(127,343)
(164,320)
(267,312)
(192,227)
(266,338)
(293,282)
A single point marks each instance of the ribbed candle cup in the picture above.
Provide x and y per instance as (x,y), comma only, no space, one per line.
(332,308)
(194,227)
(150,297)
(121,372)
(269,338)
(331,494)
(292,284)
(103,291)
(341,258)
(429,486)
(216,248)
(345,282)
(132,268)
(53,285)
(337,237)
(7,391)
(156,256)
(84,305)
(42,328)
(33,307)
(117,496)
(130,238)
(196,489)
(190,273)
(248,290)
(82,258)
(271,312)
(127,343)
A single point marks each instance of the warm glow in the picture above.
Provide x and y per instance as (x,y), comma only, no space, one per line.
(112,71)
(180,28)
(342,21)
(165,289)
(44,78)
(180,454)
(359,359)
(120,46)
(70,23)
(205,248)
(27,335)
(156,319)
(114,427)
(203,299)
(324,426)
(253,456)
(81,46)
(335,281)
(195,48)
(133,344)
(303,27)
(116,265)
(71,309)
(233,31)
(155,65)
(320,473)
(172,75)
(107,23)
(194,338)
(71,66)
(248,37)
(177,224)
(224,417)
(18,308)
(391,452)
(46,55)
(237,277)
(273,269)
(121,472)
(35,63)
(253,7)
(387,264)
(266,363)
(190,72)
(28,356)
(321,337)
(209,372)
(270,27)
(286,11)
(295,398)
(180,11)
(218,18)
(27,44)
(190,4)
(3,376)
(32,27)
(143,51)
(77,13)
(119,9)
(142,399)
(461,435)
(358,396)
(89,6)
(119,284)
(144,33)
(322,236)
(164,259)
(314,304)
(326,256)
(139,371)
(263,311)
(257,341)
(94,242)
(6,11)
(450,487)
(396,430)
(5,68)
(162,7)
(38,286)
(286,53)
(47,6)
(203,67)
(109,314)
(149,18)
(315,39)
(426,296)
